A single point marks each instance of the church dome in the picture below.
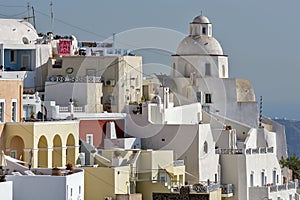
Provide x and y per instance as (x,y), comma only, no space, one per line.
(200,45)
(201,19)
(13,31)
(200,41)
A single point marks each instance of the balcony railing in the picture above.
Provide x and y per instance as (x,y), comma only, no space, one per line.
(276,188)
(78,79)
(227,189)
(204,187)
(229,151)
(65,109)
(262,150)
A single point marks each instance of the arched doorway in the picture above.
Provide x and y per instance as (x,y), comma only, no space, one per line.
(57,152)
(17,148)
(71,149)
(43,152)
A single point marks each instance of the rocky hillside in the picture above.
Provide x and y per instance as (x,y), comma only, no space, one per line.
(292,131)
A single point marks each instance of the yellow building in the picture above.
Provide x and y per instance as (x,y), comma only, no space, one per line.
(132,171)
(51,144)
(11,106)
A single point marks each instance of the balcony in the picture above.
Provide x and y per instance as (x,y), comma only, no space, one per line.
(76,79)
(273,191)
(229,151)
(261,150)
(204,187)
(227,190)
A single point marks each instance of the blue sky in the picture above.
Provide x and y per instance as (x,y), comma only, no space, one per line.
(261,38)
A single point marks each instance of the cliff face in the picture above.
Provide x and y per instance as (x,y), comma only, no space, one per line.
(292,131)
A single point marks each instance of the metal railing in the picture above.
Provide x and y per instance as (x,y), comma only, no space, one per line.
(79,79)
(261,150)
(276,188)
(229,151)
(227,189)
(204,187)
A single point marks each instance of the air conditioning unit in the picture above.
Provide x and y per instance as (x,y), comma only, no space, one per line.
(98,79)
(52,78)
(111,82)
(61,78)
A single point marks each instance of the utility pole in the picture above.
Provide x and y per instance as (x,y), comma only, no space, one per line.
(51,14)
(33,16)
(28,11)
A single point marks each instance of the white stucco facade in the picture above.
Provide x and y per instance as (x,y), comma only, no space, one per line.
(6,190)
(226,127)
(190,141)
(48,187)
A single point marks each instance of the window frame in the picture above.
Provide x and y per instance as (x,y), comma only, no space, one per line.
(208,98)
(2,114)
(13,56)
(14,113)
(87,138)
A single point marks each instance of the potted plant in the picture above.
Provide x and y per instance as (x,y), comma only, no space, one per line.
(56,171)
(2,178)
(69,167)
(32,115)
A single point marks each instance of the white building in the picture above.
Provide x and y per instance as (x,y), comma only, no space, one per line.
(108,82)
(6,190)
(214,115)
(46,186)
(21,53)
(179,129)
(200,74)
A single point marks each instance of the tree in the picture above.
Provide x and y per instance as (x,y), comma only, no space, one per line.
(293,163)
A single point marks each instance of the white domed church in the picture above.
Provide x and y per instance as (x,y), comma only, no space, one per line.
(200,74)
(212,123)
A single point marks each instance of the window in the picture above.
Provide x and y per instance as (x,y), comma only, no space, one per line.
(79,189)
(223,71)
(13,154)
(203,30)
(90,139)
(205,147)
(2,111)
(199,97)
(251,180)
(14,110)
(174,70)
(13,56)
(274,177)
(262,178)
(207,69)
(208,98)
(25,62)
(187,71)
(216,178)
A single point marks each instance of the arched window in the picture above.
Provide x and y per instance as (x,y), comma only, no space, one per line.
(205,147)
(203,30)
